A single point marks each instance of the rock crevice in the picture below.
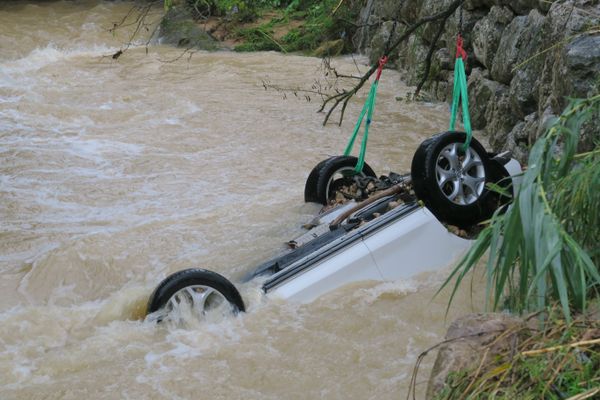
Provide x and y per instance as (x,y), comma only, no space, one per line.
(526,59)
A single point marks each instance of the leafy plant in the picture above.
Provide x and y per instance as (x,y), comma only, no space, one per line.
(537,248)
(319,24)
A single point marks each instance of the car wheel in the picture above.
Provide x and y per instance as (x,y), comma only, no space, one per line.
(452,182)
(330,175)
(198,292)
(310,187)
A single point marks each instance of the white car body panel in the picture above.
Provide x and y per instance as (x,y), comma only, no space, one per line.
(415,244)
(352,264)
(412,244)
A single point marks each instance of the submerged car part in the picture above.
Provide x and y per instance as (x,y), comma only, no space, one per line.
(197,291)
(392,238)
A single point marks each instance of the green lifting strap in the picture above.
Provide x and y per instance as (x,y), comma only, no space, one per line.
(460,92)
(368,110)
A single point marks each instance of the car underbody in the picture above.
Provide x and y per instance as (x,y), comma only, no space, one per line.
(385,229)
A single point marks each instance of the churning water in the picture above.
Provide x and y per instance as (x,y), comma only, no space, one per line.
(115,173)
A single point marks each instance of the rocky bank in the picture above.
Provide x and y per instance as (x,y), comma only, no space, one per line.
(525,59)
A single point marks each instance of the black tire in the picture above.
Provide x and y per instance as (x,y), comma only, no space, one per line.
(447,195)
(193,278)
(322,183)
(310,187)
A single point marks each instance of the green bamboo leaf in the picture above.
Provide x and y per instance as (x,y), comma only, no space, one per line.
(544,246)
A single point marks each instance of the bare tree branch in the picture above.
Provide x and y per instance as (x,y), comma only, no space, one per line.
(429,55)
(344,97)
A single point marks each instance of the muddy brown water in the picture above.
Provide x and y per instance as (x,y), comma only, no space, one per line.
(114,174)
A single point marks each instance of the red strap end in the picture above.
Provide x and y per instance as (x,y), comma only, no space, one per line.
(460,51)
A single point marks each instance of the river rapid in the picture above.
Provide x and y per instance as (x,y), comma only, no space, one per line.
(115,173)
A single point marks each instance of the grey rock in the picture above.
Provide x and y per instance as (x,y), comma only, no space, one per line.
(499,117)
(443,59)
(470,18)
(416,53)
(518,6)
(569,17)
(527,58)
(410,9)
(468,337)
(178,28)
(368,27)
(518,141)
(431,7)
(388,8)
(481,92)
(381,39)
(475,4)
(583,63)
(524,90)
(522,6)
(441,91)
(487,33)
(590,134)
(521,39)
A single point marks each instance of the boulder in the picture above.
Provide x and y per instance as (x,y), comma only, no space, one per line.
(470,18)
(389,8)
(518,6)
(475,4)
(431,7)
(522,7)
(518,139)
(582,59)
(524,89)
(572,69)
(499,117)
(410,9)
(382,38)
(481,92)
(416,53)
(569,17)
(443,59)
(178,28)
(442,90)
(521,39)
(468,338)
(487,33)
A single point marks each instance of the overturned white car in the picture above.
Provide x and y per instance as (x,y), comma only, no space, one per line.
(388,229)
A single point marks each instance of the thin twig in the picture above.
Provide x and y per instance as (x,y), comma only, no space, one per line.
(566,346)
(429,55)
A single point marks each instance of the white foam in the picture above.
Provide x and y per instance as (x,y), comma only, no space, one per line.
(41,57)
(396,288)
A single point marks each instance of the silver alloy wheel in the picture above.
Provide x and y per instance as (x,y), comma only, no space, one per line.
(199,298)
(460,175)
(342,173)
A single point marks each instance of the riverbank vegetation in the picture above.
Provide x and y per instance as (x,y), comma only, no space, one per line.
(543,257)
(544,247)
(281,25)
(559,361)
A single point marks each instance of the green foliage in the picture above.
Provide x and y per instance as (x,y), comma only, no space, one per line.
(537,248)
(237,10)
(575,201)
(258,39)
(319,25)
